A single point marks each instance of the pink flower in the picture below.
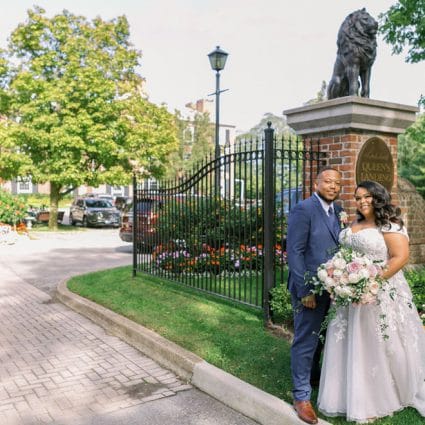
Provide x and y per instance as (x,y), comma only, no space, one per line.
(353,267)
(373,287)
(367,298)
(373,270)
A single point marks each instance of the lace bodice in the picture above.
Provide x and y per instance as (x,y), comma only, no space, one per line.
(369,241)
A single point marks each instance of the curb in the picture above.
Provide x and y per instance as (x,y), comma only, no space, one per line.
(258,405)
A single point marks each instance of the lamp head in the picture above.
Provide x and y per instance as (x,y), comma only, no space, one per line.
(218,59)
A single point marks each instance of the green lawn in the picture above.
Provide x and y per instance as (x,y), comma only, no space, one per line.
(229,336)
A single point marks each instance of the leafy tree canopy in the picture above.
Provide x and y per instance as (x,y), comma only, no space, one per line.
(73,108)
(411,154)
(195,143)
(403,25)
(278,124)
(321,95)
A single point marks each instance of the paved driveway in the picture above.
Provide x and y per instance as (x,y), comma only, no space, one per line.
(48,258)
(57,367)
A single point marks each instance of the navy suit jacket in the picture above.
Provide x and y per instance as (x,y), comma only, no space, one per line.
(310,241)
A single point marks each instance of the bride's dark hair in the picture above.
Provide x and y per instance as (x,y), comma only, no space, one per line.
(385,212)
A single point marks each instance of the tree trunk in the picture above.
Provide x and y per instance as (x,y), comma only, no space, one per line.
(54,203)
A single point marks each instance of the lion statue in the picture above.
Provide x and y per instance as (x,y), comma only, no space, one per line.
(355,56)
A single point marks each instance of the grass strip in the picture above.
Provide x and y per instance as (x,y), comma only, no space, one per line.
(227,335)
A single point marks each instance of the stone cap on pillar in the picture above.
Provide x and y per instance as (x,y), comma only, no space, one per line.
(351,113)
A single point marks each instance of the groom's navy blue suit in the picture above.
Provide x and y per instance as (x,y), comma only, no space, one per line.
(312,239)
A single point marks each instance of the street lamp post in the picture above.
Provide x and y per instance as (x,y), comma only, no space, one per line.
(217,59)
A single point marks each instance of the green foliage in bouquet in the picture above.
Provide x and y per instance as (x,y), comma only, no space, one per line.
(13,209)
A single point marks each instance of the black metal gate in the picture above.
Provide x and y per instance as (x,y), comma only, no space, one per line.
(226,239)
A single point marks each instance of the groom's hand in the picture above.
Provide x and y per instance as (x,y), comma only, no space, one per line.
(309,301)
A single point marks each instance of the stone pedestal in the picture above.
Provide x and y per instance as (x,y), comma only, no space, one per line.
(359,137)
(349,124)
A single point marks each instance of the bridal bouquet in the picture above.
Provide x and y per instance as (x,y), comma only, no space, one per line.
(350,277)
(353,278)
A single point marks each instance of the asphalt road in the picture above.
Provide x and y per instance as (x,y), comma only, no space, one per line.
(48,258)
(52,257)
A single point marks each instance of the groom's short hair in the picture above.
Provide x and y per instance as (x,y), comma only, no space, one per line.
(327,168)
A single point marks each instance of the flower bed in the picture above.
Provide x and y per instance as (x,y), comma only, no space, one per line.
(177,259)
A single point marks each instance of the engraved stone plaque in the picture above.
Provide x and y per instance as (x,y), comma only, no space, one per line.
(375,162)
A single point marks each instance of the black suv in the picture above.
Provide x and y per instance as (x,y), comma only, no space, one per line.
(94,212)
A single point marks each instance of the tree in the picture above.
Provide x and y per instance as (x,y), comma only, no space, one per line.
(177,159)
(203,133)
(195,137)
(411,154)
(403,25)
(320,96)
(74,108)
(278,124)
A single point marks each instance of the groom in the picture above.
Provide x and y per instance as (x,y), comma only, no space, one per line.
(312,237)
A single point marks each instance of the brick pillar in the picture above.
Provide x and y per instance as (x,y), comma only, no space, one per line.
(344,126)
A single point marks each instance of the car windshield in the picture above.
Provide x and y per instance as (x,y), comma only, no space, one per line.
(289,197)
(98,203)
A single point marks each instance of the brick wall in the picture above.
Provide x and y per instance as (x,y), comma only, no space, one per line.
(342,151)
(413,212)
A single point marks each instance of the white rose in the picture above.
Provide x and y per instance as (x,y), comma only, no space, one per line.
(344,279)
(353,277)
(364,273)
(343,291)
(338,273)
(339,263)
(322,274)
(329,282)
(338,290)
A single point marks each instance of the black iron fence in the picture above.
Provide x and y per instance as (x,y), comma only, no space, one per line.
(227,239)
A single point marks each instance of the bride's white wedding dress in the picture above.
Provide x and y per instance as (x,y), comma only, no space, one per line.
(365,375)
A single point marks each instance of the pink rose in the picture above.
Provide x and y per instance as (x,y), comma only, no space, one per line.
(353,267)
(367,298)
(373,287)
(373,270)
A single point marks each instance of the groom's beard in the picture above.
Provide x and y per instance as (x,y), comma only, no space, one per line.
(328,201)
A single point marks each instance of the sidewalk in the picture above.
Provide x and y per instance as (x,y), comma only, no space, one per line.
(58,367)
(264,408)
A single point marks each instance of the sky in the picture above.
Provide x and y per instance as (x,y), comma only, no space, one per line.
(280,51)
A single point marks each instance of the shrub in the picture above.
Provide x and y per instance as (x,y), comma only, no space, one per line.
(416,279)
(13,209)
(280,304)
(206,220)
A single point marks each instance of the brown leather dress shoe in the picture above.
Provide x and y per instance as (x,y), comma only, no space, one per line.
(305,411)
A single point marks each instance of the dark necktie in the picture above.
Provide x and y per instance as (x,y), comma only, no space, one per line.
(333,220)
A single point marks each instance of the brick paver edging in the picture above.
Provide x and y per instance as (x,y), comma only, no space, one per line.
(235,393)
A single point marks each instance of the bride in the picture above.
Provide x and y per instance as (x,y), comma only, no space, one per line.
(364,375)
